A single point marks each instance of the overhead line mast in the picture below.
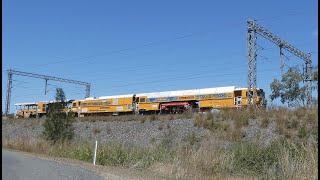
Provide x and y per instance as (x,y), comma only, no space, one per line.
(254,28)
(45,77)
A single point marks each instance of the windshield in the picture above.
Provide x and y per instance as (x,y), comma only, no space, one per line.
(261,93)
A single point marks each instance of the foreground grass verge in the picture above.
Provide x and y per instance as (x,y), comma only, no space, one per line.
(281,160)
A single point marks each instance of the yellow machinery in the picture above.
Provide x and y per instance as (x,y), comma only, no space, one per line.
(26,110)
(157,102)
(104,105)
(167,102)
(197,99)
(35,110)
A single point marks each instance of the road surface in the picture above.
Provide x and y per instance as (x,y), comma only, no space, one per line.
(16,166)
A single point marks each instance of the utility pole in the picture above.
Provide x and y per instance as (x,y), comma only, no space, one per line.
(8,94)
(45,77)
(252,29)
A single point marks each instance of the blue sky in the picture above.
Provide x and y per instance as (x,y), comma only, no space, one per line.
(124,47)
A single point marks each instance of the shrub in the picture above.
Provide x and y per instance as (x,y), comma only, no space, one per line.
(58,127)
(302,132)
(192,139)
(251,157)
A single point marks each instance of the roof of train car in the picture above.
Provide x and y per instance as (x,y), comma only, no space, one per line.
(116,96)
(178,93)
(35,103)
(24,104)
(227,89)
(239,88)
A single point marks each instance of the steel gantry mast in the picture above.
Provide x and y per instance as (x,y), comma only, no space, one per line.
(45,77)
(252,29)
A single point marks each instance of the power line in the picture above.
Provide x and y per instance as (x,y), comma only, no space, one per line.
(214,70)
(173,79)
(178,61)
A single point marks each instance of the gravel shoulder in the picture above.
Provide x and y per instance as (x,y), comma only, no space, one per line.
(24,165)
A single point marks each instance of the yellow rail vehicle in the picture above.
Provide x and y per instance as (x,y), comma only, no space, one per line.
(197,99)
(104,105)
(36,109)
(156,102)
(168,101)
(26,110)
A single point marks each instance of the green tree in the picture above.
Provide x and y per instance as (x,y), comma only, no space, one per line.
(289,89)
(315,78)
(315,85)
(60,96)
(58,126)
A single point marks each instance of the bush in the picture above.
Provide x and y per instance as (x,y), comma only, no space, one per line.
(58,127)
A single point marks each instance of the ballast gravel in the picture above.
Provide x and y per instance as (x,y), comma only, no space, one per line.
(128,133)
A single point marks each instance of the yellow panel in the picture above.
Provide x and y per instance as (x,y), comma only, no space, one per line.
(149,106)
(186,97)
(218,103)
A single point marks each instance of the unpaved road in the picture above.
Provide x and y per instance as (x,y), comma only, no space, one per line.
(18,166)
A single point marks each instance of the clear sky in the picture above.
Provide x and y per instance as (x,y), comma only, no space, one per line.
(125,47)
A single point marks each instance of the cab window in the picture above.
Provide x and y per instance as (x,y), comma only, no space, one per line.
(142,99)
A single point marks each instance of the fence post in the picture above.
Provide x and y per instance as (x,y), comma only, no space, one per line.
(95,153)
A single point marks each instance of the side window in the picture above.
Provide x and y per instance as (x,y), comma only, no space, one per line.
(142,99)
(74,104)
(115,101)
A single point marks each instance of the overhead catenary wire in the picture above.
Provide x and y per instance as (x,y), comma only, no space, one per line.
(177,61)
(181,78)
(213,70)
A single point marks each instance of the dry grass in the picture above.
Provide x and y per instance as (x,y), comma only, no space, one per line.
(242,160)
(300,123)
(26,144)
